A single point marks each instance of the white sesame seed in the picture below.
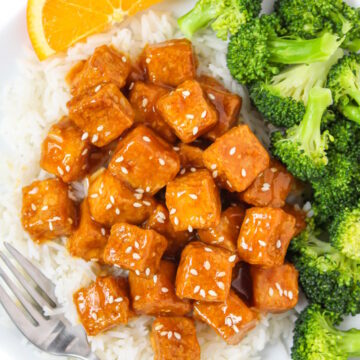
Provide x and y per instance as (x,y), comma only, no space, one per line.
(124,59)
(164,290)
(128,250)
(44,208)
(147,271)
(131,86)
(207,249)
(212,97)
(100,128)
(137,297)
(84,136)
(194,272)
(236,329)
(136,256)
(155,279)
(215,174)
(243,172)
(137,205)
(147,203)
(221,274)
(162,215)
(271,291)
(221,239)
(193,196)
(148,60)
(95,138)
(193,169)
(124,170)
(176,221)
(146,139)
(117,211)
(145,102)
(176,148)
(169,335)
(97,88)
(220,284)
(182,171)
(190,228)
(232,258)
(161,162)
(232,151)
(274,170)
(119,299)
(137,272)
(137,245)
(228,183)
(186,93)
(33,207)
(202,293)
(103,231)
(196,289)
(51,226)
(158,327)
(67,168)
(195,130)
(290,295)
(203,114)
(177,335)
(212,293)
(60,170)
(119,159)
(190,116)
(207,265)
(108,206)
(94,316)
(112,200)
(265,187)
(262,243)
(147,189)
(172,212)
(278,244)
(163,333)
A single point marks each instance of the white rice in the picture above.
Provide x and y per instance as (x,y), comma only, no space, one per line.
(36,100)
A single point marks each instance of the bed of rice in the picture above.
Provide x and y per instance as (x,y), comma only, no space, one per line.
(36,100)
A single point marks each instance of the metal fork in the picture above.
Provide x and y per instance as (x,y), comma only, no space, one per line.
(52,334)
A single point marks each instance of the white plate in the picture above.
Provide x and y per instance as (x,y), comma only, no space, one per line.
(13,38)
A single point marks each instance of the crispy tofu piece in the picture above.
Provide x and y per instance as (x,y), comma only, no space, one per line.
(275,289)
(193,201)
(204,272)
(103,304)
(143,98)
(64,153)
(227,104)
(170,63)
(236,158)
(270,188)
(136,249)
(300,217)
(103,113)
(227,232)
(111,201)
(47,211)
(144,161)
(106,65)
(160,222)
(156,295)
(89,239)
(231,319)
(265,236)
(174,338)
(188,111)
(190,156)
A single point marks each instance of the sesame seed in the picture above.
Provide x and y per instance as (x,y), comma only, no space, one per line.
(274,170)
(137,297)
(146,139)
(285,293)
(180,193)
(147,271)
(195,130)
(137,272)
(117,211)
(196,289)
(128,250)
(177,335)
(193,196)
(137,205)
(194,272)
(221,274)
(176,148)
(158,327)
(164,290)
(176,221)
(85,135)
(137,245)
(119,299)
(100,128)
(193,169)
(145,102)
(243,172)
(60,170)
(262,243)
(278,244)
(33,207)
(163,333)
(169,335)
(124,59)
(271,291)
(131,86)
(215,174)
(190,116)
(232,258)
(139,191)
(212,96)
(172,211)
(236,329)
(108,206)
(112,200)
(232,151)
(148,60)
(136,256)
(124,170)
(212,293)
(290,295)
(202,293)
(155,279)
(97,88)
(265,187)
(190,228)
(161,162)
(207,249)
(203,114)
(162,215)
(220,284)
(44,208)
(67,168)
(228,183)
(94,316)
(119,159)
(103,231)
(207,265)
(147,203)
(186,93)
(221,239)
(147,189)
(51,226)
(95,138)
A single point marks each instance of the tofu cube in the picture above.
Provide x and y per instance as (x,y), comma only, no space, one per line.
(160,222)
(204,272)
(231,319)
(174,338)
(227,232)
(228,106)
(156,295)
(89,239)
(136,249)
(144,161)
(299,215)
(236,158)
(103,113)
(111,201)
(103,304)
(265,236)
(190,156)
(143,98)
(47,211)
(188,111)
(275,289)
(270,188)
(106,65)
(193,201)
(170,63)
(64,152)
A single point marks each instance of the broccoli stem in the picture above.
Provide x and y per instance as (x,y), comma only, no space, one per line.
(300,51)
(352,113)
(198,17)
(352,45)
(350,342)
(320,247)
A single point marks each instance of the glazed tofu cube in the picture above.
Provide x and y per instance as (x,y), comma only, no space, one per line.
(103,113)
(143,98)
(174,338)
(193,201)
(160,222)
(231,319)
(47,211)
(265,236)
(275,289)
(228,106)
(133,248)
(156,295)
(299,215)
(111,201)
(204,273)
(170,63)
(64,152)
(144,161)
(106,65)
(89,239)
(236,158)
(190,156)
(188,111)
(270,188)
(227,232)
(103,304)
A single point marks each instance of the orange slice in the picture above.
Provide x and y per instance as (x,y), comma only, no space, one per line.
(55,25)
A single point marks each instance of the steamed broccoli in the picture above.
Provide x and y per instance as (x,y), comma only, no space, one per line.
(327,277)
(307,18)
(258,51)
(283,98)
(345,232)
(225,16)
(303,148)
(316,338)
(344,83)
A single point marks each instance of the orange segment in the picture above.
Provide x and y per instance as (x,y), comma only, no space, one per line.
(55,25)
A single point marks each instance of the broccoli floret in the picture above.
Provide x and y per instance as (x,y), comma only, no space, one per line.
(258,51)
(225,16)
(307,18)
(345,232)
(344,83)
(316,338)
(303,148)
(282,100)
(327,277)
